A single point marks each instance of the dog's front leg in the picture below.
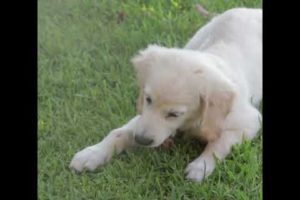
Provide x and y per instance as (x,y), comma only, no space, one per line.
(97,155)
(240,125)
(204,165)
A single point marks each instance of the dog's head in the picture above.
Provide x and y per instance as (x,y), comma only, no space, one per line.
(179,88)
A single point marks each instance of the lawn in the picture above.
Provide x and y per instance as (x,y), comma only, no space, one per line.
(87,86)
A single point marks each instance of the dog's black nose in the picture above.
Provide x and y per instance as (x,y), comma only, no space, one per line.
(143,140)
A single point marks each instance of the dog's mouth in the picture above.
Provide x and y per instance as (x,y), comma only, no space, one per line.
(169,142)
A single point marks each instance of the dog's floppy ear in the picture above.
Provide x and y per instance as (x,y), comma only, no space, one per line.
(217,94)
(142,64)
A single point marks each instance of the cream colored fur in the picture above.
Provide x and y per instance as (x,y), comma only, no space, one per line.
(208,89)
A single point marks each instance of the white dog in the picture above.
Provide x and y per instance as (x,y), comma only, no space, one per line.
(205,89)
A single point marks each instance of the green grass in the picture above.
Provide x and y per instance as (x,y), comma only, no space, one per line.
(87,86)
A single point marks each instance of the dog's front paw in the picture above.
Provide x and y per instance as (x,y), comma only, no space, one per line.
(89,159)
(199,169)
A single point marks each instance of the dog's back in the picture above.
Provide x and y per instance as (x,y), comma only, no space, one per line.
(235,25)
(236,37)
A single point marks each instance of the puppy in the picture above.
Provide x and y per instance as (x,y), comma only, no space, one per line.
(209,89)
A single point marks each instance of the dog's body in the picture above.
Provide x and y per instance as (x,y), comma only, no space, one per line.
(205,89)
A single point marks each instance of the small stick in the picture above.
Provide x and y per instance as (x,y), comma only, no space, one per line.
(202,11)
(168,144)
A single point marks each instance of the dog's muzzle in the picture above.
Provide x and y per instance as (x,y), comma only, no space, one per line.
(143,140)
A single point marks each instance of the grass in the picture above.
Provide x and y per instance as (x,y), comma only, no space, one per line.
(87,86)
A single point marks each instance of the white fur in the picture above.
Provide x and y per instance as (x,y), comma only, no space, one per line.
(210,84)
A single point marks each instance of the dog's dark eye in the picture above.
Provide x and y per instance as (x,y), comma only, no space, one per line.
(172,115)
(149,100)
